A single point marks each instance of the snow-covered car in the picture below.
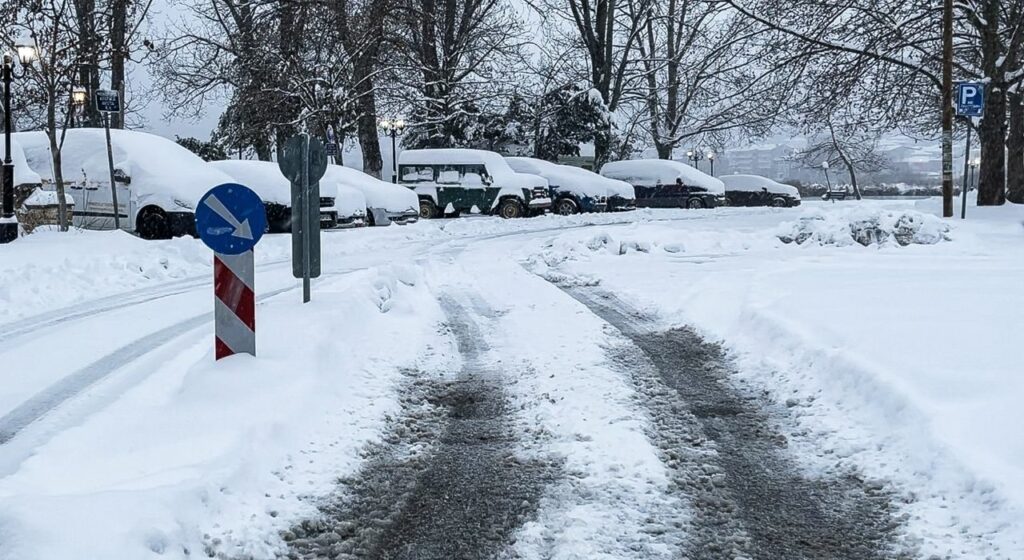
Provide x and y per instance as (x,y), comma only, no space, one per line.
(570,192)
(449,182)
(24,177)
(158,182)
(385,202)
(621,195)
(662,183)
(349,205)
(755,190)
(266,179)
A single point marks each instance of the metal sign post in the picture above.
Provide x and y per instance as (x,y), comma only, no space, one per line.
(304,162)
(231,219)
(107,102)
(970,103)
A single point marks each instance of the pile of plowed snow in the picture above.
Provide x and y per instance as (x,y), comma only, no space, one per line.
(866,226)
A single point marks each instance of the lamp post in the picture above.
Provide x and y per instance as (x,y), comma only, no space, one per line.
(79,96)
(695,156)
(393,127)
(711,159)
(27,54)
(974,165)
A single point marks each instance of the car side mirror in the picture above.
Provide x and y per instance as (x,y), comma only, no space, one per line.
(121,177)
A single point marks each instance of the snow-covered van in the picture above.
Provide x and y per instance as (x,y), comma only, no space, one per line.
(452,181)
(755,190)
(385,202)
(662,183)
(158,182)
(275,189)
(570,193)
(621,196)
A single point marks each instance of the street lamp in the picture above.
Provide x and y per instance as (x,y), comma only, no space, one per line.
(711,158)
(695,156)
(393,127)
(974,165)
(27,54)
(79,96)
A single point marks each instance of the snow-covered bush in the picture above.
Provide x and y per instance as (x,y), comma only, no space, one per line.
(866,226)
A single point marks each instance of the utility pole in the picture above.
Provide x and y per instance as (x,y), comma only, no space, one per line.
(947,109)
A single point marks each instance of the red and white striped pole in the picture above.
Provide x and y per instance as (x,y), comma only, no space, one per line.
(234,304)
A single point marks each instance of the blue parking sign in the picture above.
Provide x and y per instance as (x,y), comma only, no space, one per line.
(970,99)
(230,219)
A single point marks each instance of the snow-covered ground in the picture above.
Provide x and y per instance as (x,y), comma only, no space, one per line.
(901,358)
(121,438)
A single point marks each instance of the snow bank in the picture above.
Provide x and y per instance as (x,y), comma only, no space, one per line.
(660,171)
(203,458)
(867,226)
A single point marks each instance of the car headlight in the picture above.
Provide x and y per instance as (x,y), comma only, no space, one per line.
(183,204)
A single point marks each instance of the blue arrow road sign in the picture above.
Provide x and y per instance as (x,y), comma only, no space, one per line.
(970,99)
(230,219)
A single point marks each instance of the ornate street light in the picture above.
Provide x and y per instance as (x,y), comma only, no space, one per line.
(392,128)
(711,158)
(27,54)
(695,156)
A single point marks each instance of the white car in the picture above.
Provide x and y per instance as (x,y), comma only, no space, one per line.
(23,174)
(449,182)
(158,182)
(663,183)
(266,179)
(385,202)
(755,190)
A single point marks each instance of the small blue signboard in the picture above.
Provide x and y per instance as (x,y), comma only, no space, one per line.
(231,219)
(970,99)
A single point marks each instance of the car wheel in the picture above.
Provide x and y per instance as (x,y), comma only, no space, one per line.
(729,202)
(153,223)
(566,207)
(779,202)
(695,203)
(428,210)
(510,208)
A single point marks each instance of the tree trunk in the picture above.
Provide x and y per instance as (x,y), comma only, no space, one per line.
(118,15)
(992,136)
(89,53)
(1015,150)
(58,174)
(366,123)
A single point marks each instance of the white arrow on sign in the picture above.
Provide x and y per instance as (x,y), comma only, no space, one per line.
(241,229)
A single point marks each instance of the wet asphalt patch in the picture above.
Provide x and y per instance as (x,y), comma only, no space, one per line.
(751,499)
(445,482)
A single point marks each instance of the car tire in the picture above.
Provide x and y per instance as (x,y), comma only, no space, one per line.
(779,202)
(694,203)
(728,202)
(566,207)
(510,208)
(153,223)
(428,210)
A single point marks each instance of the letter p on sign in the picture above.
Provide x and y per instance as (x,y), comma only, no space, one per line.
(970,99)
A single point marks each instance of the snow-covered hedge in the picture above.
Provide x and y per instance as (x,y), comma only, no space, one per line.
(866,226)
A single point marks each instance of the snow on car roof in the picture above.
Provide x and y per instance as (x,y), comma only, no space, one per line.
(614,186)
(23,173)
(748,183)
(559,175)
(156,165)
(378,194)
(650,171)
(264,177)
(496,165)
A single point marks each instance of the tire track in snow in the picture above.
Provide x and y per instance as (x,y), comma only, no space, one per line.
(446,481)
(751,499)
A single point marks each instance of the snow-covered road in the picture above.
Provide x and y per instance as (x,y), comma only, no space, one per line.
(477,393)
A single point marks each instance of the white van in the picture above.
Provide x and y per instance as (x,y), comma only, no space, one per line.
(662,183)
(158,182)
(449,182)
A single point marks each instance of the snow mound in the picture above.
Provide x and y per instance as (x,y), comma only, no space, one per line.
(865,226)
